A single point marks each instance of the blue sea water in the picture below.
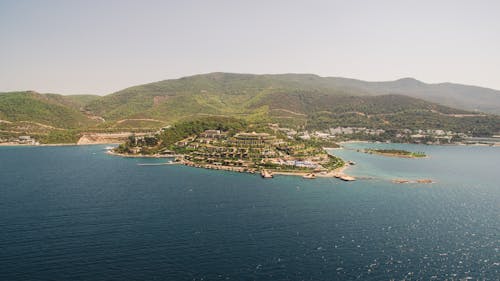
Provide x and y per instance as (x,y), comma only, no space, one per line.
(75,213)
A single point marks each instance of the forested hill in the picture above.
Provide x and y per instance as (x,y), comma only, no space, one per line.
(453,95)
(217,89)
(304,100)
(51,110)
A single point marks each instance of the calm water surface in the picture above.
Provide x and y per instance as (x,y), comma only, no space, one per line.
(75,213)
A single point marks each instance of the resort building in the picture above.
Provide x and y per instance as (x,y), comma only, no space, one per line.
(213,134)
(254,139)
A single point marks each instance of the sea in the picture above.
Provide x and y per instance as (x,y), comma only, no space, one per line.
(77,213)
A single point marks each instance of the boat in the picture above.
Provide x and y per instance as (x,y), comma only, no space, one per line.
(425,181)
(400,181)
(352,163)
(309,176)
(345,177)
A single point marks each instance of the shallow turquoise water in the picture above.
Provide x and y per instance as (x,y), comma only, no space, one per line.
(75,213)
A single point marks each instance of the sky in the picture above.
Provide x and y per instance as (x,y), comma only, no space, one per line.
(102,46)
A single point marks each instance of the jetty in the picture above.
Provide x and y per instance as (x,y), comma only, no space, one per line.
(156,164)
(425,181)
(266,175)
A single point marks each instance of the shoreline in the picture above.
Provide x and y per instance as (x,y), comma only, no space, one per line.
(57,144)
(110,152)
(37,145)
(441,144)
(336,173)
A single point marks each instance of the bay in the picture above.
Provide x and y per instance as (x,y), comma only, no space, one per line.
(76,213)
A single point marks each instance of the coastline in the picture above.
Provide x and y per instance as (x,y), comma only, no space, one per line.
(55,144)
(36,145)
(110,152)
(432,144)
(336,173)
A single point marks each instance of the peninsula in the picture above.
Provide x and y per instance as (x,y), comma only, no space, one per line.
(231,144)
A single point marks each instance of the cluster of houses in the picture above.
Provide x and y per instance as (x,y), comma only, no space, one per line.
(243,149)
(339,133)
(215,144)
(326,134)
(296,163)
(439,136)
(25,140)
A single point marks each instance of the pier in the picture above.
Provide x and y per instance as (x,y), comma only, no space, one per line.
(265,174)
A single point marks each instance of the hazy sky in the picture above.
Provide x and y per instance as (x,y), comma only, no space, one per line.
(98,47)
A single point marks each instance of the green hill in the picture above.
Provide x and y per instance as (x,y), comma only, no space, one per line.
(214,94)
(453,95)
(290,99)
(228,93)
(49,110)
(295,100)
(77,102)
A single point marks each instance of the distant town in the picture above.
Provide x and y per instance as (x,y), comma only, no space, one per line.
(429,136)
(21,140)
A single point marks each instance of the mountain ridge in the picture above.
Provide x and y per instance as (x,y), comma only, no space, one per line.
(461,96)
(304,100)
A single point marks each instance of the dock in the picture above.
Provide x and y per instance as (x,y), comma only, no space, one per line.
(265,174)
(425,181)
(156,164)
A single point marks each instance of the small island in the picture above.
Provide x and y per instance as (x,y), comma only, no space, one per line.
(396,153)
(234,145)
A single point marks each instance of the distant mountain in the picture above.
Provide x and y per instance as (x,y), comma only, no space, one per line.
(453,95)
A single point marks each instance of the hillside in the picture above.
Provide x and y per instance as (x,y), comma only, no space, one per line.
(215,94)
(77,102)
(227,93)
(51,118)
(453,95)
(50,110)
(293,100)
